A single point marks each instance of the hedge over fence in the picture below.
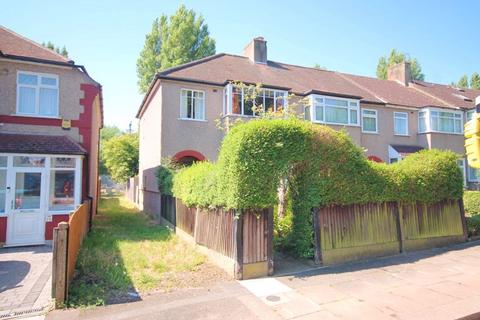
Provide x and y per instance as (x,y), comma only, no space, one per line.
(323,167)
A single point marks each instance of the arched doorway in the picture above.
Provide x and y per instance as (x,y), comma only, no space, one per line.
(188,157)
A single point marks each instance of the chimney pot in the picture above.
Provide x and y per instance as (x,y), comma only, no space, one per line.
(256,50)
(400,72)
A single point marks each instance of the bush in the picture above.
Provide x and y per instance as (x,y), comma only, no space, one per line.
(322,166)
(471,201)
(473,225)
(164,174)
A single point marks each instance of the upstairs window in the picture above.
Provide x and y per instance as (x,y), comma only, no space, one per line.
(244,101)
(369,121)
(400,123)
(335,110)
(433,120)
(37,94)
(192,105)
(469,115)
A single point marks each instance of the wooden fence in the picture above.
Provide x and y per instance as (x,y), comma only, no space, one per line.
(67,240)
(244,240)
(167,208)
(345,233)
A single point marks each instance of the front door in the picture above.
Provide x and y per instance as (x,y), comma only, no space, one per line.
(26,222)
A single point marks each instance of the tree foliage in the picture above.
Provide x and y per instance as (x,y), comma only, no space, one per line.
(174,40)
(396,57)
(475,81)
(107,133)
(120,156)
(62,51)
(464,83)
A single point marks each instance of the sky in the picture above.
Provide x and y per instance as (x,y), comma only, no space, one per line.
(348,36)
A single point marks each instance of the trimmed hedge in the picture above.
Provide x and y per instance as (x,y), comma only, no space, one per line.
(471,201)
(323,167)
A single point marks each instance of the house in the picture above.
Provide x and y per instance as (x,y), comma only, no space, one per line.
(50,117)
(388,118)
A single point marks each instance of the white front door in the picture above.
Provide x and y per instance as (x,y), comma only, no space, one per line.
(25,207)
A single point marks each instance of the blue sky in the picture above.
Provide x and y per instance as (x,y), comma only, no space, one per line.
(348,36)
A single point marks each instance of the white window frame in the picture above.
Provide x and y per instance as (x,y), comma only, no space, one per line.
(37,93)
(395,117)
(464,172)
(314,105)
(182,90)
(469,177)
(228,100)
(467,113)
(370,116)
(428,117)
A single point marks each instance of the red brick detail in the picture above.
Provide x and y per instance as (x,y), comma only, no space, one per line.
(38,121)
(3,229)
(49,226)
(375,159)
(189,153)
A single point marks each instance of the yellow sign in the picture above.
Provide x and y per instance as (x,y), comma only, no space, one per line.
(66,124)
(472,141)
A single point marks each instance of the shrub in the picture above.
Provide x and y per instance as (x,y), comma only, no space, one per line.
(471,201)
(322,166)
(473,225)
(164,174)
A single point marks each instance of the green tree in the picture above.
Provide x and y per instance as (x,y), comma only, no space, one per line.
(475,81)
(174,40)
(463,82)
(62,51)
(396,57)
(318,66)
(107,133)
(120,155)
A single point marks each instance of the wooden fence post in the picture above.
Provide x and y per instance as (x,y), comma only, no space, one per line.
(269,212)
(317,236)
(59,263)
(398,220)
(238,238)
(464,220)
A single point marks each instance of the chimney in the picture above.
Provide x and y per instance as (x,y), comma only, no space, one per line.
(400,72)
(256,50)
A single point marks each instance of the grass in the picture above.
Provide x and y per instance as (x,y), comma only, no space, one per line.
(125,252)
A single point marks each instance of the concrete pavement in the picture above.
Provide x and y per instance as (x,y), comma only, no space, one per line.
(431,284)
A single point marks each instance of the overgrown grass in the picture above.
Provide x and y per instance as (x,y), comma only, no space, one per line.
(126,252)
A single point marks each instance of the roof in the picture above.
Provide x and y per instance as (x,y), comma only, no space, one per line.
(13,44)
(405,150)
(222,68)
(461,98)
(41,144)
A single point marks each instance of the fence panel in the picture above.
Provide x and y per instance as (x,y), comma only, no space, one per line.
(430,225)
(214,229)
(185,218)
(167,208)
(357,231)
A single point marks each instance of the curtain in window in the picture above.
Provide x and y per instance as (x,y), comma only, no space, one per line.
(26,102)
(336,115)
(48,102)
(400,125)
(369,124)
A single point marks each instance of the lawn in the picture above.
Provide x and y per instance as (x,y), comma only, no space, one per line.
(126,253)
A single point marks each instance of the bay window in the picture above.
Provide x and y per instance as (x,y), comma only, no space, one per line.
(192,105)
(369,121)
(400,123)
(334,110)
(37,94)
(436,120)
(243,100)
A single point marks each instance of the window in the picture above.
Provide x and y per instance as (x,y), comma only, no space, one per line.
(62,184)
(37,94)
(28,161)
(244,101)
(306,114)
(334,110)
(469,115)
(369,121)
(192,105)
(461,166)
(400,123)
(473,174)
(433,120)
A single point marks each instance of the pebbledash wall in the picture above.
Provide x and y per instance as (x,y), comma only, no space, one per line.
(79,101)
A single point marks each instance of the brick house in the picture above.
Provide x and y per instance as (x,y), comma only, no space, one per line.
(388,118)
(50,119)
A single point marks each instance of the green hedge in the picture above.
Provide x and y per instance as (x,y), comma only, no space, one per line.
(471,201)
(323,167)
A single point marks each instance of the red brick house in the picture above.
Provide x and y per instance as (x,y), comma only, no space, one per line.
(50,121)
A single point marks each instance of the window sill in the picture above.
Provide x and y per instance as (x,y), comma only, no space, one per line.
(370,132)
(35,116)
(440,132)
(401,135)
(195,120)
(336,124)
(240,116)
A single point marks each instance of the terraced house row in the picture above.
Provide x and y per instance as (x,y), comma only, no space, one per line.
(388,118)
